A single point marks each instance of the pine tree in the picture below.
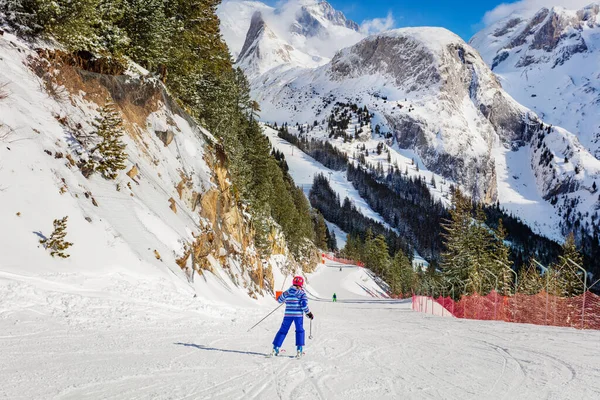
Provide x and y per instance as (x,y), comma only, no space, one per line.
(149,31)
(354,248)
(501,256)
(22,15)
(456,259)
(71,22)
(320,231)
(568,277)
(56,243)
(377,255)
(401,276)
(530,280)
(111,150)
(332,241)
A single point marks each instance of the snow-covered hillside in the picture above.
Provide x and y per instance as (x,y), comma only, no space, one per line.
(304,168)
(140,235)
(549,62)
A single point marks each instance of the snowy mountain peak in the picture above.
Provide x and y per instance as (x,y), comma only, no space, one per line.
(557,32)
(264,50)
(257,28)
(312,18)
(548,62)
(312,28)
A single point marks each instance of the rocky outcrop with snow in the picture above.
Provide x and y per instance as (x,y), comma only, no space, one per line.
(549,62)
(168,217)
(313,19)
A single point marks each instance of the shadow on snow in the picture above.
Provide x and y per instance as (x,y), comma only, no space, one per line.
(202,347)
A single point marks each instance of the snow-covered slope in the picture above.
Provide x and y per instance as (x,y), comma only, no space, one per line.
(131,236)
(303,170)
(549,62)
(361,347)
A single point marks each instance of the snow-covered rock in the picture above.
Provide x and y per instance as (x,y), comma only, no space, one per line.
(549,62)
(263,50)
(314,19)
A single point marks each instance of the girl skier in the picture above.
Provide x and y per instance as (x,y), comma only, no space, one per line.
(296,304)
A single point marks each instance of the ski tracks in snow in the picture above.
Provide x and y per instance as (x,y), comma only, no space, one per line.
(363,348)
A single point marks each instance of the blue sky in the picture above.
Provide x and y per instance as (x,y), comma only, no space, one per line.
(462,17)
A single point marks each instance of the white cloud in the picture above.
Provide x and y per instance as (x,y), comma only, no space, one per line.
(529,7)
(376,25)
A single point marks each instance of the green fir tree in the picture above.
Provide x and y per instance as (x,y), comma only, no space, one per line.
(111,150)
(56,243)
(530,280)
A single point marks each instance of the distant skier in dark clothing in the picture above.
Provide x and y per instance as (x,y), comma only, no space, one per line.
(296,305)
(334,298)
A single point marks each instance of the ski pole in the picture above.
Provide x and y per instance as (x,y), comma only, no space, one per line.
(310,332)
(266,316)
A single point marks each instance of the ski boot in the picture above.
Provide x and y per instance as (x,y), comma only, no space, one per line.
(300,352)
(275,352)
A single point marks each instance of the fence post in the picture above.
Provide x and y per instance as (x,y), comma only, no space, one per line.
(547,272)
(443,298)
(453,300)
(496,289)
(584,289)
(432,301)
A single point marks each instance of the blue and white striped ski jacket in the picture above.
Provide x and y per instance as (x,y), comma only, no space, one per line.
(296,302)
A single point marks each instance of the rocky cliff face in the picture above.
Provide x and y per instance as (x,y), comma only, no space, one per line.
(558,32)
(430,89)
(547,61)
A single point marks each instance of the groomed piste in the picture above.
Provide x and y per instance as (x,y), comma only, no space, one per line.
(66,343)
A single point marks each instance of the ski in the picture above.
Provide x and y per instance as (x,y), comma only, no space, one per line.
(276,354)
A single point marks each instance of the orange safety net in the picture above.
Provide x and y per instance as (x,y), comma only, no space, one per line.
(581,312)
(343,260)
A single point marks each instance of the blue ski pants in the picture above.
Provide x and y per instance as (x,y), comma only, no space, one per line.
(285,327)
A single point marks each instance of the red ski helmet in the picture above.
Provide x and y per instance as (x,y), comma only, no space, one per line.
(298,281)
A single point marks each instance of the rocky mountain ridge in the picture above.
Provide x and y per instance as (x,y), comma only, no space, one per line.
(548,62)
